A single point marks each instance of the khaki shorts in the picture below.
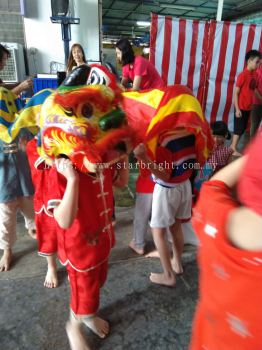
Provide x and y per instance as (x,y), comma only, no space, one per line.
(170,204)
(8,219)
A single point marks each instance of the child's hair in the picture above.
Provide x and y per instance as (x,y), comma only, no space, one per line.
(252,54)
(220,128)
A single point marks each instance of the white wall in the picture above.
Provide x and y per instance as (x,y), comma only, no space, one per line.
(46,37)
(87,33)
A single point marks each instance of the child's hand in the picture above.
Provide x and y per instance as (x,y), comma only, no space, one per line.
(238,113)
(65,167)
(140,152)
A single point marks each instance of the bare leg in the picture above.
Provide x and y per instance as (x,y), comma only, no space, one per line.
(177,246)
(235,140)
(75,336)
(6,260)
(99,326)
(168,277)
(32,232)
(51,280)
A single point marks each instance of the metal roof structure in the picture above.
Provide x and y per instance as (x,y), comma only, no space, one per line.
(120,17)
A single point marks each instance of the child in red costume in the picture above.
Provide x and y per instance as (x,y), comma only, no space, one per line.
(82,205)
(45,224)
(229,311)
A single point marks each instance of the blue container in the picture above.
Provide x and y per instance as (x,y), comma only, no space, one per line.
(40,84)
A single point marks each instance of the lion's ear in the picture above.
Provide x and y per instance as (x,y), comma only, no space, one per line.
(14,116)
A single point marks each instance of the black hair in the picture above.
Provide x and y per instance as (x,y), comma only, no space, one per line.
(3,50)
(220,128)
(125,47)
(252,54)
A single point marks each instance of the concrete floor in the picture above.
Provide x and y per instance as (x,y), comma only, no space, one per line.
(142,315)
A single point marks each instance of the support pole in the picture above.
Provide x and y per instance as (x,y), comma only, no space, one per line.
(219,9)
(66,37)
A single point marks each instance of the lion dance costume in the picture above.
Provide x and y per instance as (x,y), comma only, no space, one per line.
(84,124)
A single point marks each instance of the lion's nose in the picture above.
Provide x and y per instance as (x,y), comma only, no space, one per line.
(112,120)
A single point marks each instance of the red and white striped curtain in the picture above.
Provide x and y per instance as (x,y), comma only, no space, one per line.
(205,56)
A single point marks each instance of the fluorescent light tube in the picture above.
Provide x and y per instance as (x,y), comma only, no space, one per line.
(178,7)
(143,23)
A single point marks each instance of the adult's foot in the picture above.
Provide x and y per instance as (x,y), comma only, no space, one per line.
(75,336)
(139,251)
(6,259)
(51,280)
(99,326)
(32,232)
(161,278)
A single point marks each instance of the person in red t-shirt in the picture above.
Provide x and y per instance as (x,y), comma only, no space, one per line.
(256,114)
(246,87)
(229,311)
(139,70)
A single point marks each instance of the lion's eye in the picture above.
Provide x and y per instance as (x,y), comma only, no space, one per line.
(69,112)
(87,110)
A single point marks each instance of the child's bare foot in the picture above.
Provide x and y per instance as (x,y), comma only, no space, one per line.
(153,254)
(139,251)
(177,267)
(161,278)
(99,326)
(6,259)
(76,339)
(51,280)
(32,233)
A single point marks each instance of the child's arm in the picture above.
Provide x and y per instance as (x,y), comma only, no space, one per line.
(243,225)
(236,94)
(122,173)
(66,212)
(158,171)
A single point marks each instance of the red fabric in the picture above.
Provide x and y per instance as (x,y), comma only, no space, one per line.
(228,314)
(256,100)
(144,184)
(142,67)
(208,63)
(45,224)
(247,82)
(85,289)
(250,182)
(87,242)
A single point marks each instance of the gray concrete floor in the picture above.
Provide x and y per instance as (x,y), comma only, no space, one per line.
(142,315)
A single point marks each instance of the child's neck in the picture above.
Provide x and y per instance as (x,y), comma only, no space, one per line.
(250,69)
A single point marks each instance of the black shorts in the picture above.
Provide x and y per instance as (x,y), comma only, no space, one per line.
(240,124)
